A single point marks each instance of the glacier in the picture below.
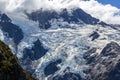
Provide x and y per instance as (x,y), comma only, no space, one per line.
(65,41)
(68,44)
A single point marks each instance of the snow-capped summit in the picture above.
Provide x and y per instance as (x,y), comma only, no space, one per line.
(60,41)
(45,18)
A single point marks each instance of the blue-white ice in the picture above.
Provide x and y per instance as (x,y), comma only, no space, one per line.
(73,42)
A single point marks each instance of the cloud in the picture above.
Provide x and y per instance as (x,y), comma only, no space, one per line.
(106,13)
(29,5)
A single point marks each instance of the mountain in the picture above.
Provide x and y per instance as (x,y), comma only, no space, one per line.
(104,66)
(77,16)
(10,30)
(10,68)
(63,45)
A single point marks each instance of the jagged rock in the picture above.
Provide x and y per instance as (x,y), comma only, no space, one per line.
(52,67)
(114,74)
(9,66)
(79,14)
(11,30)
(44,17)
(105,65)
(94,36)
(5,18)
(112,49)
(115,26)
(36,52)
(90,56)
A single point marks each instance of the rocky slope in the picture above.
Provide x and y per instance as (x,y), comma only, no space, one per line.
(104,66)
(78,16)
(9,66)
(64,45)
(10,30)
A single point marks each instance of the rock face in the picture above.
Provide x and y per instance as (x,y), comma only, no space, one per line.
(9,66)
(36,52)
(5,18)
(52,67)
(114,73)
(94,36)
(105,66)
(90,58)
(11,30)
(76,16)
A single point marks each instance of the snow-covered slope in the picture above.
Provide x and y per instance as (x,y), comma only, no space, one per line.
(68,45)
(64,41)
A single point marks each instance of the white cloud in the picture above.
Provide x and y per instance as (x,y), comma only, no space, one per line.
(105,13)
(10,5)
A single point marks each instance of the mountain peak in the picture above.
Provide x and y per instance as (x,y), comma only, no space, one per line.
(77,15)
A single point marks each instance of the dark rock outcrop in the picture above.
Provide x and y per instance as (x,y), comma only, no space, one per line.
(5,18)
(106,65)
(9,66)
(36,52)
(94,36)
(52,67)
(111,50)
(114,74)
(11,30)
(44,17)
(90,58)
(115,26)
(79,14)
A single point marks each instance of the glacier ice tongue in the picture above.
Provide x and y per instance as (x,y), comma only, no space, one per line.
(67,44)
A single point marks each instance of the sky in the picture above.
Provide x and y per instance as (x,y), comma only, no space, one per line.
(105,10)
(115,3)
